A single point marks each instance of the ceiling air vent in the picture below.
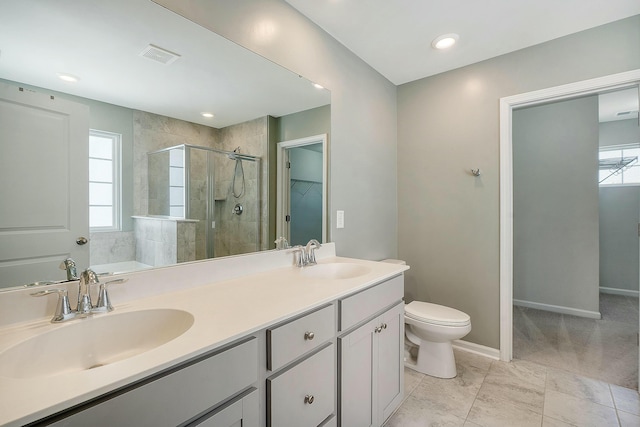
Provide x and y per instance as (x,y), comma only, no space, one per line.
(159,55)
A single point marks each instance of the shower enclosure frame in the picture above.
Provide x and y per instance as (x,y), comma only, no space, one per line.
(210,208)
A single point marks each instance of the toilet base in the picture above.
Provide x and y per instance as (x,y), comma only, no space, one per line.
(434,358)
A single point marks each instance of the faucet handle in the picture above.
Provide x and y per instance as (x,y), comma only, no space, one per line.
(63,308)
(311,256)
(70,266)
(310,248)
(281,243)
(300,258)
(87,278)
(104,303)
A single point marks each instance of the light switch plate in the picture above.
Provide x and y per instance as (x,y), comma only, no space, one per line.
(339,219)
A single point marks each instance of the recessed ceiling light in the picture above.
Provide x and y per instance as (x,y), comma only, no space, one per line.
(317,86)
(207,115)
(445,41)
(70,78)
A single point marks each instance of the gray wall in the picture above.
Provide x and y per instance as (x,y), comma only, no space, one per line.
(619,207)
(316,121)
(619,217)
(555,204)
(308,164)
(449,220)
(363,113)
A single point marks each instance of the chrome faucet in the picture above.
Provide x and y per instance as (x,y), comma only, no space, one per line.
(306,254)
(281,243)
(85,307)
(87,278)
(70,265)
(312,245)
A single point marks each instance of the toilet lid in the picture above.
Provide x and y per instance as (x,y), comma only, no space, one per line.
(436,314)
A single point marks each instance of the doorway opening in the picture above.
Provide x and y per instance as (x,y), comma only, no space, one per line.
(507,107)
(302,190)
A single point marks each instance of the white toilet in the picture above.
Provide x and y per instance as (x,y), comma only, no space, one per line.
(429,331)
(431,328)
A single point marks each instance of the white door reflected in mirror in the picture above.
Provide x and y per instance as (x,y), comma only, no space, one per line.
(302,189)
(42,218)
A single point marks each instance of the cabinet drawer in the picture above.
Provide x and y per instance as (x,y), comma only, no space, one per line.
(178,396)
(358,307)
(293,339)
(330,422)
(287,392)
(242,412)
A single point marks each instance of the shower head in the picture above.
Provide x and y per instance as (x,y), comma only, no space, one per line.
(233,156)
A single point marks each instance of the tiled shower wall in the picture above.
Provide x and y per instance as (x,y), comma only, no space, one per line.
(108,247)
(162,242)
(153,132)
(234,234)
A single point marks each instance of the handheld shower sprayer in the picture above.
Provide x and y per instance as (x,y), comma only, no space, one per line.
(233,156)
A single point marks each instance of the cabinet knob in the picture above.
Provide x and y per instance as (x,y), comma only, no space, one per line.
(309,336)
(384,326)
(378,329)
(309,399)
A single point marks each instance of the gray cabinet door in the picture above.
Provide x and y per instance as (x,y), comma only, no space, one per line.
(390,357)
(371,370)
(357,379)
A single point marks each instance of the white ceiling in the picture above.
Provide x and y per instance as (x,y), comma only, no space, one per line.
(394,36)
(100,42)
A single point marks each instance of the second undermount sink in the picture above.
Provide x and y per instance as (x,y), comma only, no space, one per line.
(335,270)
(93,342)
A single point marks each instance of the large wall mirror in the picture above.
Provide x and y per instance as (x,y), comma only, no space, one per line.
(178,131)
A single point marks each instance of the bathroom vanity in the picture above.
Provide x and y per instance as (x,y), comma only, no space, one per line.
(264,344)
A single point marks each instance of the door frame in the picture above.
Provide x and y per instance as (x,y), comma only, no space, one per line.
(282,182)
(507,105)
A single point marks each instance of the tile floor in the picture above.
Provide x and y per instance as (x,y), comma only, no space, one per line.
(489,393)
(605,349)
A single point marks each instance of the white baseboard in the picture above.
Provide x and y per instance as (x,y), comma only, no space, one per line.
(618,291)
(559,309)
(482,350)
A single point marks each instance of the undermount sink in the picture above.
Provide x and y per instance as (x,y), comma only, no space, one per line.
(93,342)
(335,270)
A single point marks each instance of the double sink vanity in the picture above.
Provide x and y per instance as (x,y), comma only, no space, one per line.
(250,340)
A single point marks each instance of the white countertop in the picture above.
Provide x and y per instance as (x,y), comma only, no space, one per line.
(224,311)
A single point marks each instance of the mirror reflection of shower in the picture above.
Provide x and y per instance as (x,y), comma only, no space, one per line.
(204,186)
(238,167)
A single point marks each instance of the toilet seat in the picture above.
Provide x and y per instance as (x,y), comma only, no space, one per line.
(436,314)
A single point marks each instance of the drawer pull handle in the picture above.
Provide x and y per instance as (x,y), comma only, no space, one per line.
(309,336)
(309,399)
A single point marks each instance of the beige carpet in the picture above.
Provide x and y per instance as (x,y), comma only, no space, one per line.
(603,349)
